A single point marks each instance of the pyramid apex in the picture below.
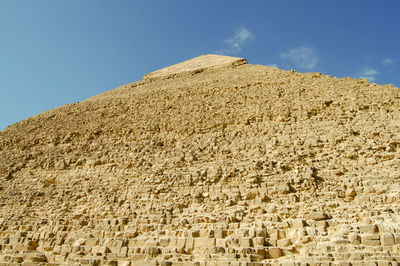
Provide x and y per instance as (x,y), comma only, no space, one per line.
(200,63)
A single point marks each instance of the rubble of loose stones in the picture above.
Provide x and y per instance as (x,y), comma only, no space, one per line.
(228,166)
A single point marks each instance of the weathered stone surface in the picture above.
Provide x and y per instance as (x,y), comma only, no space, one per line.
(317,216)
(275,252)
(197,65)
(212,161)
(387,239)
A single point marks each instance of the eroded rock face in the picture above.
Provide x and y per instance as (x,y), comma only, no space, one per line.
(216,161)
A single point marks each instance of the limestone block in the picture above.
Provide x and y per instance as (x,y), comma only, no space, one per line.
(369,228)
(219,233)
(138,242)
(91,242)
(284,242)
(204,242)
(316,216)
(321,224)
(123,263)
(275,252)
(273,233)
(152,243)
(123,251)
(370,240)
(397,238)
(262,252)
(355,239)
(36,258)
(189,245)
(370,237)
(297,223)
(387,239)
(281,234)
(259,241)
(339,239)
(180,243)
(357,256)
(246,242)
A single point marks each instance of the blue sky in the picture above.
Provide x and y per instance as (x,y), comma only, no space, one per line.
(58,52)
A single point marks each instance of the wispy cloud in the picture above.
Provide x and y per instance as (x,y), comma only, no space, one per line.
(235,44)
(273,65)
(368,73)
(387,61)
(302,57)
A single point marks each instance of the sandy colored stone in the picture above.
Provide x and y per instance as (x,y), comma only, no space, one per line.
(275,252)
(316,216)
(210,161)
(197,65)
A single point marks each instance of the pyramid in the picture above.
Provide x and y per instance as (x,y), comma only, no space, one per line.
(212,161)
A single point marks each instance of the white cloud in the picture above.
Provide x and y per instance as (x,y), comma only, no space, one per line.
(387,62)
(273,65)
(235,44)
(368,73)
(302,57)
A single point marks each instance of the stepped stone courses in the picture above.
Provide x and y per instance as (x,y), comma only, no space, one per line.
(209,162)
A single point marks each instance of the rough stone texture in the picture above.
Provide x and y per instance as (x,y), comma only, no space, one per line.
(211,162)
(197,65)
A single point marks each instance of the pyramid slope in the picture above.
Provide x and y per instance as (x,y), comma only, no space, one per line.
(239,163)
(198,64)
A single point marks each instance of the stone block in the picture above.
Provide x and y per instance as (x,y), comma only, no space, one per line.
(321,224)
(284,242)
(370,237)
(370,242)
(180,243)
(357,256)
(387,239)
(262,252)
(91,242)
(246,242)
(297,223)
(204,242)
(189,245)
(397,238)
(273,233)
(369,229)
(281,234)
(259,241)
(316,216)
(275,252)
(271,242)
(219,233)
(355,239)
